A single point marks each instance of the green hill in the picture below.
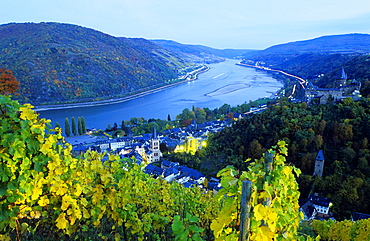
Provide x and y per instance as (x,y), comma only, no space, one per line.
(57,62)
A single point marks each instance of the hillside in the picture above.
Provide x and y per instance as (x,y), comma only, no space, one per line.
(341,131)
(339,44)
(319,60)
(57,62)
(199,53)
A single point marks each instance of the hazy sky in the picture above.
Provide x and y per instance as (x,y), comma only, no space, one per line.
(245,24)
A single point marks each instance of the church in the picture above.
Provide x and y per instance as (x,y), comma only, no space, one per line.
(316,95)
(154,154)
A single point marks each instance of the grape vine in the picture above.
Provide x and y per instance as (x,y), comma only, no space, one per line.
(342,231)
(275,211)
(44,187)
(47,192)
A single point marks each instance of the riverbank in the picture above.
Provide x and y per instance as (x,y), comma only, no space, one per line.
(194,74)
(301,80)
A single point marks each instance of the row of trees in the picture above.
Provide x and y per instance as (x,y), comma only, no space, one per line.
(78,129)
(140,125)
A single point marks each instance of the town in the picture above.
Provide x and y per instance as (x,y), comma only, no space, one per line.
(146,149)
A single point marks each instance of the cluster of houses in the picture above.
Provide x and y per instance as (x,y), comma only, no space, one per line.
(146,149)
(148,145)
(188,177)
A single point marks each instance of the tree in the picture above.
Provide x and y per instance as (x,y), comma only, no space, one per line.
(169,117)
(186,115)
(255,150)
(224,109)
(8,83)
(79,124)
(200,115)
(134,121)
(83,123)
(74,127)
(57,124)
(67,128)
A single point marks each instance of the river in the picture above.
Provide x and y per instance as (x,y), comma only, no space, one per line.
(225,82)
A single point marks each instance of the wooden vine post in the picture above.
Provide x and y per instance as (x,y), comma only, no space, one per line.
(245,214)
(268,158)
(245,200)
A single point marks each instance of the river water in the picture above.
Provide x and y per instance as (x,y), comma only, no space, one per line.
(224,83)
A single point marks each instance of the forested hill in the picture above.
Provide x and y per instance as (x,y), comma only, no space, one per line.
(339,44)
(325,50)
(57,62)
(199,53)
(341,131)
(320,60)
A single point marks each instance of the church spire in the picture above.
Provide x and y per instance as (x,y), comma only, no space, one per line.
(154,136)
(344,75)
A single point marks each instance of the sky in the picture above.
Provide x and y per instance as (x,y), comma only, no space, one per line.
(237,24)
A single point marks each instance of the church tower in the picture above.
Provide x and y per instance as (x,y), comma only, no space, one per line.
(155,152)
(343,78)
(319,164)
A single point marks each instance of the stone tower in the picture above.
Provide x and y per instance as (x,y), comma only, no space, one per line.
(319,164)
(342,80)
(155,152)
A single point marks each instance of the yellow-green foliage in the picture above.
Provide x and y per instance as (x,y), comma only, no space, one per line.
(343,231)
(274,200)
(43,186)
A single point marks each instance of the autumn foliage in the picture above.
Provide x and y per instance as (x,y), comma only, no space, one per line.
(8,83)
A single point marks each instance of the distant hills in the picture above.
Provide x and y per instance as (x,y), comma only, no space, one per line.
(323,56)
(199,53)
(58,62)
(340,44)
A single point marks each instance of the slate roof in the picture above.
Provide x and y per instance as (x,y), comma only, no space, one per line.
(358,216)
(170,171)
(153,170)
(308,209)
(320,156)
(321,201)
(154,135)
(191,172)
